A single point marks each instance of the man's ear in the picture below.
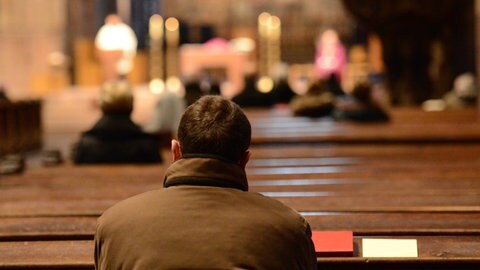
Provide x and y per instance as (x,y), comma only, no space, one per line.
(244,159)
(176,150)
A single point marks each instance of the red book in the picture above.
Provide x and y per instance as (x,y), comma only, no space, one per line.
(333,243)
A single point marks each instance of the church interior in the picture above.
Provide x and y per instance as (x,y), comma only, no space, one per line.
(364,113)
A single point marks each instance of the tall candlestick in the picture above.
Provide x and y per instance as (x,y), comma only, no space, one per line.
(274,42)
(172,38)
(157,84)
(263,19)
(156,47)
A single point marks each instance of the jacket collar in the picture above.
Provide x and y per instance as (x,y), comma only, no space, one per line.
(205,170)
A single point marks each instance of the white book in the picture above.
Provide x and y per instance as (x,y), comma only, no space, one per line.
(381,248)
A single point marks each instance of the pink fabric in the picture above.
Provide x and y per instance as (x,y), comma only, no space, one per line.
(330,62)
(217,44)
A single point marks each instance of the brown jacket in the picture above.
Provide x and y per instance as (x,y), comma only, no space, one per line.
(204,218)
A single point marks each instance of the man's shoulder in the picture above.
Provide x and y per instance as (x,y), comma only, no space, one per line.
(271,207)
(132,205)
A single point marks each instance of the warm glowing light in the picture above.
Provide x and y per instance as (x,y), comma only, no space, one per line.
(243,44)
(265,84)
(57,59)
(174,84)
(274,24)
(172,24)
(156,27)
(275,21)
(263,18)
(433,105)
(157,86)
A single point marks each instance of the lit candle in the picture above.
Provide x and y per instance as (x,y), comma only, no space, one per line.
(156,27)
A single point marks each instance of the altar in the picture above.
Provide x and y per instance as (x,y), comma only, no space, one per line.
(198,58)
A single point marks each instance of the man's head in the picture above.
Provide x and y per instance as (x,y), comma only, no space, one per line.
(214,126)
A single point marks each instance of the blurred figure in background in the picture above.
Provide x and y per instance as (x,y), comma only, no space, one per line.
(166,116)
(364,104)
(282,92)
(317,102)
(3,95)
(251,95)
(115,138)
(463,94)
(331,56)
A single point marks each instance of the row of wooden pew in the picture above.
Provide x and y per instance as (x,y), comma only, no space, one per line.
(408,125)
(20,126)
(415,190)
(426,197)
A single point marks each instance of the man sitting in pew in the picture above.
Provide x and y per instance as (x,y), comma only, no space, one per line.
(204,217)
(115,138)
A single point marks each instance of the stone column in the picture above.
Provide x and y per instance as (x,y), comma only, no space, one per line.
(28,36)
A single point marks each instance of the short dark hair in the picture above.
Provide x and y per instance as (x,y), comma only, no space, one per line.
(215,126)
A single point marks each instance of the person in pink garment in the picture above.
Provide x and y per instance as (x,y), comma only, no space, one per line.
(330,57)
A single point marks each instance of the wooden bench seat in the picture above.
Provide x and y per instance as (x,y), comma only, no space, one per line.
(398,114)
(20,126)
(407,125)
(444,252)
(396,151)
(378,133)
(374,190)
(428,192)
(420,178)
(368,223)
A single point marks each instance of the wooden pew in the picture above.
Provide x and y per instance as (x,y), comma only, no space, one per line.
(398,114)
(361,223)
(408,125)
(351,189)
(379,189)
(446,252)
(406,177)
(411,198)
(20,126)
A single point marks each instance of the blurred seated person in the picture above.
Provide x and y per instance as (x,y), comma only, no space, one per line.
(463,94)
(334,86)
(318,101)
(330,56)
(115,138)
(282,92)
(251,95)
(211,83)
(199,85)
(3,95)
(193,91)
(361,105)
(116,45)
(167,114)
